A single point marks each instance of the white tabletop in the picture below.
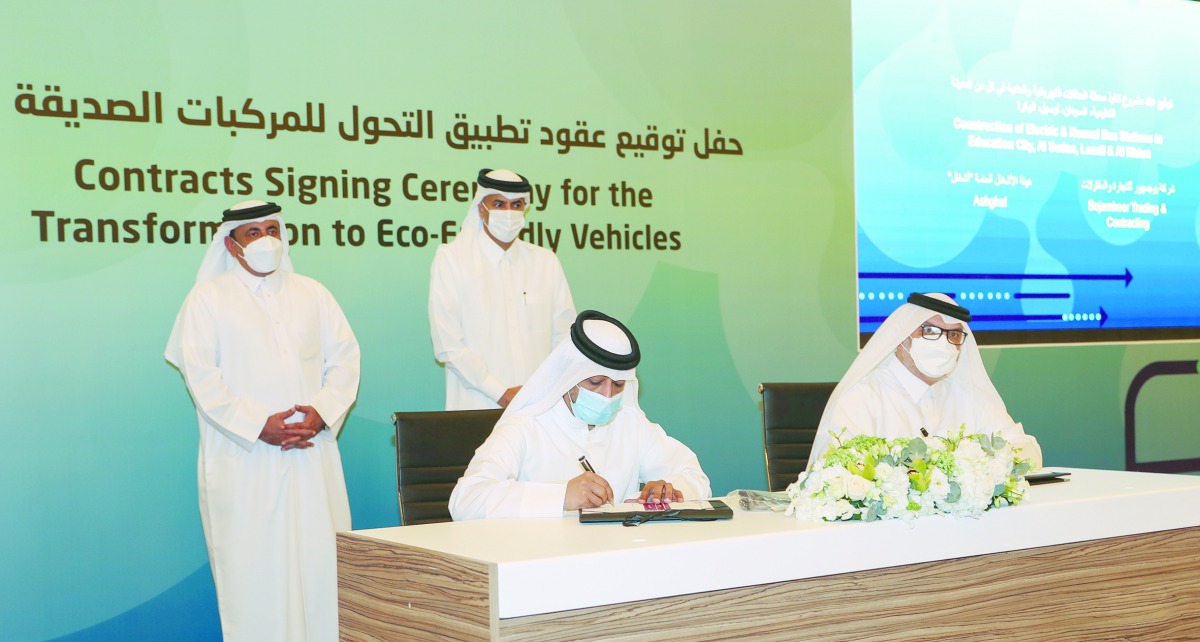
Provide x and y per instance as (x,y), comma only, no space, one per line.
(550,565)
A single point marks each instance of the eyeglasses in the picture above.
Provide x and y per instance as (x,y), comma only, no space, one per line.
(933,333)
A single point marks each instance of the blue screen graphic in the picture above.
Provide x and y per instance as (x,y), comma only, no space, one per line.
(1037,161)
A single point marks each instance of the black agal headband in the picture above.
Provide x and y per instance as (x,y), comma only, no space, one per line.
(941,307)
(598,354)
(245,214)
(512,187)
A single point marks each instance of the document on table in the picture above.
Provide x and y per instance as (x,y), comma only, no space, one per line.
(639,507)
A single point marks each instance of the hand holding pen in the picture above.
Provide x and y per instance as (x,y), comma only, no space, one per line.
(588,490)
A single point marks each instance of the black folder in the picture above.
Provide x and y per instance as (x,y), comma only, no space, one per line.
(1047,477)
(718,511)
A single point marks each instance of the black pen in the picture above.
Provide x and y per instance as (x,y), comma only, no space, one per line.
(587,468)
(585,464)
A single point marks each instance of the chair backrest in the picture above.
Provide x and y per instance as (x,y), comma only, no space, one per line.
(791,413)
(432,451)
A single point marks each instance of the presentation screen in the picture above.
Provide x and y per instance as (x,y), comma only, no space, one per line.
(1036,161)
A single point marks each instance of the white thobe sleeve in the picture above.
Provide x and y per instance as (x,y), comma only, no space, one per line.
(340,374)
(238,418)
(855,414)
(490,488)
(995,418)
(1029,446)
(446,328)
(666,458)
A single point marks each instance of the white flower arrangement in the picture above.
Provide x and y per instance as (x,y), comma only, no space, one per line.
(869,478)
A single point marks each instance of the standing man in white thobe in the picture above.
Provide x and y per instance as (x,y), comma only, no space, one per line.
(272,367)
(497,304)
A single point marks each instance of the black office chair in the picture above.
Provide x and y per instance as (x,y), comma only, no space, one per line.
(432,451)
(791,413)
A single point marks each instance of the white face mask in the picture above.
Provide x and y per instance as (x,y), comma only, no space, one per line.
(505,225)
(935,359)
(263,255)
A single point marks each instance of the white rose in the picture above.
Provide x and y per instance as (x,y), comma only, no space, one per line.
(828,475)
(969,450)
(843,509)
(998,469)
(939,485)
(857,488)
(837,487)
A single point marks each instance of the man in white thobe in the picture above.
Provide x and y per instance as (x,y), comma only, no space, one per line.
(921,374)
(273,368)
(497,304)
(579,407)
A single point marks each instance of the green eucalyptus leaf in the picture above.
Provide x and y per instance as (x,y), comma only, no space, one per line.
(872,512)
(955,492)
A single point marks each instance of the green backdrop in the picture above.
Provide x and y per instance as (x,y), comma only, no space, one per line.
(101,536)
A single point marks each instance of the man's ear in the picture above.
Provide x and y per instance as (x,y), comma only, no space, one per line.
(230,244)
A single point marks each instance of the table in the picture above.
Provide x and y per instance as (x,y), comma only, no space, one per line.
(1108,553)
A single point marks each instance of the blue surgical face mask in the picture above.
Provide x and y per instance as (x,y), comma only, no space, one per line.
(595,409)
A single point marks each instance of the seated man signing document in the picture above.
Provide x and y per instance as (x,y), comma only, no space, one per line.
(581,404)
(920,375)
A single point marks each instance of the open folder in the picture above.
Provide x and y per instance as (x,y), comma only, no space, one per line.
(636,513)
